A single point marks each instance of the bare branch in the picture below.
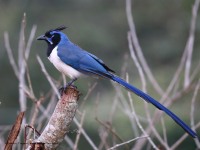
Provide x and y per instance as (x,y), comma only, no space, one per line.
(139,49)
(138,122)
(60,120)
(134,57)
(175,77)
(48,77)
(192,110)
(109,128)
(89,91)
(10,54)
(190,42)
(178,142)
(85,135)
(166,95)
(196,71)
(79,134)
(126,109)
(22,65)
(127,142)
(142,77)
(164,131)
(30,41)
(69,141)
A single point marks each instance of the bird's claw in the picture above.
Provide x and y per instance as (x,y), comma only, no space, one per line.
(63,89)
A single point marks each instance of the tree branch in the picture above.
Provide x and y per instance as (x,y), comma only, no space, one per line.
(60,120)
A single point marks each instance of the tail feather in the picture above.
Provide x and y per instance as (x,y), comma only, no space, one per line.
(151,100)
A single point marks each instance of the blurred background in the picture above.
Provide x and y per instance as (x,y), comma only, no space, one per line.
(99,27)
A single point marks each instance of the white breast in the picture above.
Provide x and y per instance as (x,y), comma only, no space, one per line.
(62,67)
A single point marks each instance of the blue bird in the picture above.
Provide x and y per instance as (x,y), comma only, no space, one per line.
(75,62)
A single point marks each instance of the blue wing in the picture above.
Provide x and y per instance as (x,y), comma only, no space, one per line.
(82,61)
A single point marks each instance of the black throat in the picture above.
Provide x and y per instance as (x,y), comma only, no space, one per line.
(50,48)
(55,40)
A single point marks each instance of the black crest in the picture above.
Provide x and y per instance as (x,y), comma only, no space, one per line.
(56,29)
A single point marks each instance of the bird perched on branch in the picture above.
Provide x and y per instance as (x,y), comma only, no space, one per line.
(75,62)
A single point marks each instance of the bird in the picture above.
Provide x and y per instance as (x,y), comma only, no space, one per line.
(75,62)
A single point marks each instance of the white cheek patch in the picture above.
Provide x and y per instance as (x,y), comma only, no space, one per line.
(50,42)
(62,67)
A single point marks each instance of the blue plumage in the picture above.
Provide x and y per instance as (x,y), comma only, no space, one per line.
(73,61)
(151,100)
(82,61)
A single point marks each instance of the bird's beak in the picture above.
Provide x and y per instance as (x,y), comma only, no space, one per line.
(42,37)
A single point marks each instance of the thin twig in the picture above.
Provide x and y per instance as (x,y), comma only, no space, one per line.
(103,134)
(190,42)
(85,135)
(139,49)
(48,77)
(127,142)
(195,72)
(175,78)
(89,91)
(193,108)
(133,112)
(69,141)
(109,128)
(46,111)
(30,41)
(10,55)
(178,142)
(125,107)
(34,115)
(134,57)
(143,81)
(79,134)
(113,109)
(30,91)
(164,130)
(123,73)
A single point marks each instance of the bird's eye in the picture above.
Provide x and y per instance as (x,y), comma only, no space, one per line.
(48,34)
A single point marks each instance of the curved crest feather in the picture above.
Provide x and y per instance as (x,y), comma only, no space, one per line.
(60,28)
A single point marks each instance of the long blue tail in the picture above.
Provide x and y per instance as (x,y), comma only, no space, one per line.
(155,103)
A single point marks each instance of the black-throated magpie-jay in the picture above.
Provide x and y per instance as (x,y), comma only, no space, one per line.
(74,62)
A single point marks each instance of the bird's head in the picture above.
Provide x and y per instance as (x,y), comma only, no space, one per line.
(53,36)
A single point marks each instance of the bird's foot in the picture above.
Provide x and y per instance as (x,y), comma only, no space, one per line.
(61,90)
(69,84)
